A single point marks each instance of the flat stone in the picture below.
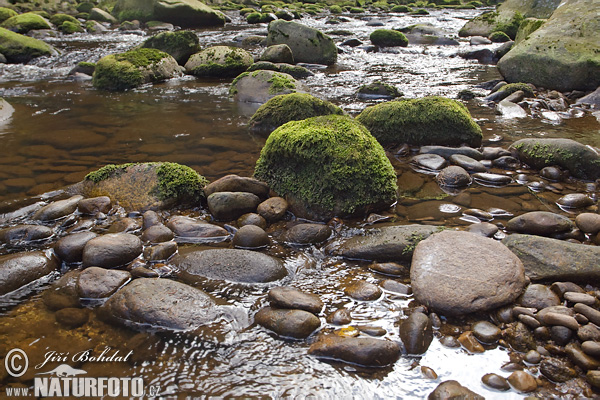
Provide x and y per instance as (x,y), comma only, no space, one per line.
(493,179)
(468,340)
(57,209)
(190,228)
(591,313)
(272,209)
(396,287)
(542,223)
(453,177)
(579,358)
(557,370)
(98,283)
(111,250)
(70,248)
(486,332)
(160,252)
(538,296)
(431,162)
(362,351)
(447,152)
(362,290)
(298,324)
(562,320)
(292,298)
(250,237)
(390,269)
(522,382)
(467,163)
(23,234)
(588,222)
(584,298)
(484,229)
(157,234)
(495,381)
(575,200)
(95,205)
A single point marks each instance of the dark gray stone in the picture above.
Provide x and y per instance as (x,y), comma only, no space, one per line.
(289,297)
(57,209)
(227,206)
(70,248)
(22,234)
(362,351)
(19,269)
(542,223)
(111,250)
(97,283)
(308,234)
(186,227)
(416,333)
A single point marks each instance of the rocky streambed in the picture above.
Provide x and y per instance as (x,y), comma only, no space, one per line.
(484,272)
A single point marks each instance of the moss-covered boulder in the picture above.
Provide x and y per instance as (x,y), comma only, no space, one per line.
(527,27)
(133,68)
(98,14)
(499,37)
(563,54)
(184,13)
(219,61)
(429,120)
(180,45)
(21,49)
(59,19)
(378,90)
(582,161)
(508,17)
(296,71)
(6,13)
(144,186)
(327,166)
(308,45)
(262,85)
(289,107)
(388,38)
(23,23)
(69,27)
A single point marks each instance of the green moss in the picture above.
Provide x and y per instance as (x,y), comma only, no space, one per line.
(413,241)
(68,28)
(106,172)
(219,61)
(245,11)
(429,120)
(499,37)
(290,107)
(379,88)
(401,9)
(356,10)
(420,11)
(388,38)
(253,17)
(19,48)
(141,57)
(329,163)
(24,23)
(527,27)
(58,19)
(180,45)
(513,87)
(335,9)
(179,181)
(233,87)
(511,27)
(279,83)
(85,64)
(85,7)
(6,13)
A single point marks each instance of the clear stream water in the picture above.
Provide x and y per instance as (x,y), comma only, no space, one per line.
(62,129)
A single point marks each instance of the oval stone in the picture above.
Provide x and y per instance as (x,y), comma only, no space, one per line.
(111,250)
(298,324)
(362,351)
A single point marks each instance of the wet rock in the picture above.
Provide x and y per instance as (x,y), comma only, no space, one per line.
(278,53)
(362,290)
(22,234)
(111,250)
(551,173)
(390,243)
(362,351)
(467,163)
(538,296)
(396,287)
(479,40)
(162,304)
(485,229)
(593,378)
(557,370)
(63,293)
(340,317)
(160,252)
(555,260)
(469,342)
(229,264)
(575,200)
(506,162)
(589,332)
(484,56)
(519,337)
(186,14)
(443,280)
(579,358)
(591,348)
(143,272)
(449,341)
(416,333)
(495,381)
(560,288)
(19,269)
(307,234)
(389,268)
(72,318)
(95,205)
(157,234)
(448,152)
(580,160)
(378,90)
(252,219)
(186,227)
(591,313)
(491,153)
(235,183)
(297,324)
(58,209)
(453,177)
(532,357)
(307,44)
(250,237)
(215,61)
(479,214)
(262,85)
(124,225)
(429,161)
(98,283)
(226,206)
(542,223)
(272,209)
(509,109)
(453,390)
(70,248)
(180,45)
(588,222)
(522,382)
(292,298)
(561,319)
(486,332)
(575,297)
(149,219)
(17,48)
(493,179)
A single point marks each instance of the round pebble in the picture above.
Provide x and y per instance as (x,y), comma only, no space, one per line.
(252,219)
(583,298)
(533,357)
(362,290)
(495,381)
(522,382)
(486,332)
(250,237)
(389,268)
(575,200)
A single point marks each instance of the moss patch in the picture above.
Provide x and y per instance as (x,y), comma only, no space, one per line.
(430,120)
(6,13)
(514,87)
(279,83)
(20,49)
(330,164)
(179,181)
(59,19)
(219,61)
(24,23)
(388,38)
(180,45)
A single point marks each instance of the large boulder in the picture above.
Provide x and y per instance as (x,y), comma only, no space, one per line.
(22,49)
(582,161)
(308,45)
(117,72)
(144,186)
(389,243)
(289,107)
(6,13)
(388,38)
(184,13)
(563,54)
(327,166)
(219,61)
(160,304)
(508,17)
(180,45)
(19,269)
(553,260)
(458,273)
(26,22)
(231,265)
(262,85)
(429,120)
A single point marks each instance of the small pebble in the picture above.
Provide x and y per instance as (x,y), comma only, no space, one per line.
(533,357)
(561,334)
(449,341)
(552,318)
(428,373)
(469,342)
(522,382)
(340,317)
(495,381)
(364,291)
(389,268)
(486,332)
(529,321)
(591,348)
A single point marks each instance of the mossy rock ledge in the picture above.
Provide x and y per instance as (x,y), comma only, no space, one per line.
(184,13)
(180,45)
(19,48)
(219,61)
(582,161)
(289,107)
(308,45)
(145,186)
(327,166)
(430,120)
(118,72)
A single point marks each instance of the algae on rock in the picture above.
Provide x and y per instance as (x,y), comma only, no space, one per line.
(219,61)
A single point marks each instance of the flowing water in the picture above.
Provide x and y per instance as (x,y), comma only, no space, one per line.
(62,129)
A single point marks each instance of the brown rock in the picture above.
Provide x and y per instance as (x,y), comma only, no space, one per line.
(272,209)
(362,351)
(522,382)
